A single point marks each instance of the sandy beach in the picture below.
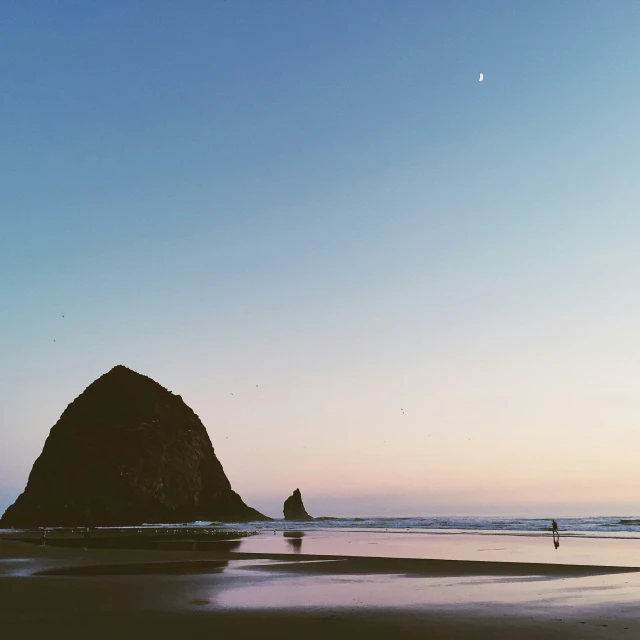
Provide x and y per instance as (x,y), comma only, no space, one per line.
(171,593)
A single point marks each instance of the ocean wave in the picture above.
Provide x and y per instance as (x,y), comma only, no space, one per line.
(594,527)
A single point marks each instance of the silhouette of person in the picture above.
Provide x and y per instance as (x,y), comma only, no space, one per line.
(44,537)
(87,537)
(555,533)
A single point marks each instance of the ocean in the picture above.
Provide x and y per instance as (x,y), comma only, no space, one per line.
(595,527)
(592,527)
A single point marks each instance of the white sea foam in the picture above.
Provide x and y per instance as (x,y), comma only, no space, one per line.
(594,527)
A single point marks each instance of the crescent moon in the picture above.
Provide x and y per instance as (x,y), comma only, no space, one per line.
(481,78)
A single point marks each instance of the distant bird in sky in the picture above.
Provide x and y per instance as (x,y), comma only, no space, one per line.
(481,78)
(63,315)
(232,394)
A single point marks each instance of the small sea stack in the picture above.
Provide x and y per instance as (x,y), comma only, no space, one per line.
(294,508)
(127,451)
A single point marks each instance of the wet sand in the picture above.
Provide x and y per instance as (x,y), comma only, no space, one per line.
(453,546)
(48,591)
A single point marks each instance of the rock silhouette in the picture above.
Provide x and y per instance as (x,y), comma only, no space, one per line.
(127,451)
(294,508)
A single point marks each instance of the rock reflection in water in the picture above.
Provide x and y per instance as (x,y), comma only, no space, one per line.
(175,540)
(294,538)
(179,568)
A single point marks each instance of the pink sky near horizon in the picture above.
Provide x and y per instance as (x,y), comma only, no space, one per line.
(459,448)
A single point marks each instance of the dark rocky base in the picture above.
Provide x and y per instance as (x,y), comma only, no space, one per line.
(294,508)
(127,452)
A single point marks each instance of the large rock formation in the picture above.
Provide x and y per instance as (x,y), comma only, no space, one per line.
(294,508)
(127,451)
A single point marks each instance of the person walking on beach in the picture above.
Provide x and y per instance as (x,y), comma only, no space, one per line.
(86,537)
(44,537)
(555,533)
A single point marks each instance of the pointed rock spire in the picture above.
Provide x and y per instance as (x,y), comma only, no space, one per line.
(294,508)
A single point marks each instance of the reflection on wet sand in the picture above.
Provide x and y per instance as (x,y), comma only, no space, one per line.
(485,547)
(294,538)
(175,540)
(318,588)
(176,568)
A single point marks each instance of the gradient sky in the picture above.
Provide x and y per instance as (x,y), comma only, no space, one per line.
(320,198)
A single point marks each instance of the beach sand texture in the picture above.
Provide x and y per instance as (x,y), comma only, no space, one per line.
(277,591)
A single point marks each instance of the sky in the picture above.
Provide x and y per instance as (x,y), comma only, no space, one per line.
(320,198)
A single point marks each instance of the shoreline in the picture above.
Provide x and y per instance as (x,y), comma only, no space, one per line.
(217,528)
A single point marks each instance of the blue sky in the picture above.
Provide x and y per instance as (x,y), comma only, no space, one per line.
(321,198)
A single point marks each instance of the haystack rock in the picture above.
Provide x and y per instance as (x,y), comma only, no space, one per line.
(294,508)
(127,451)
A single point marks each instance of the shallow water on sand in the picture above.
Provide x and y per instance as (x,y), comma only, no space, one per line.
(596,551)
(621,552)
(335,591)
